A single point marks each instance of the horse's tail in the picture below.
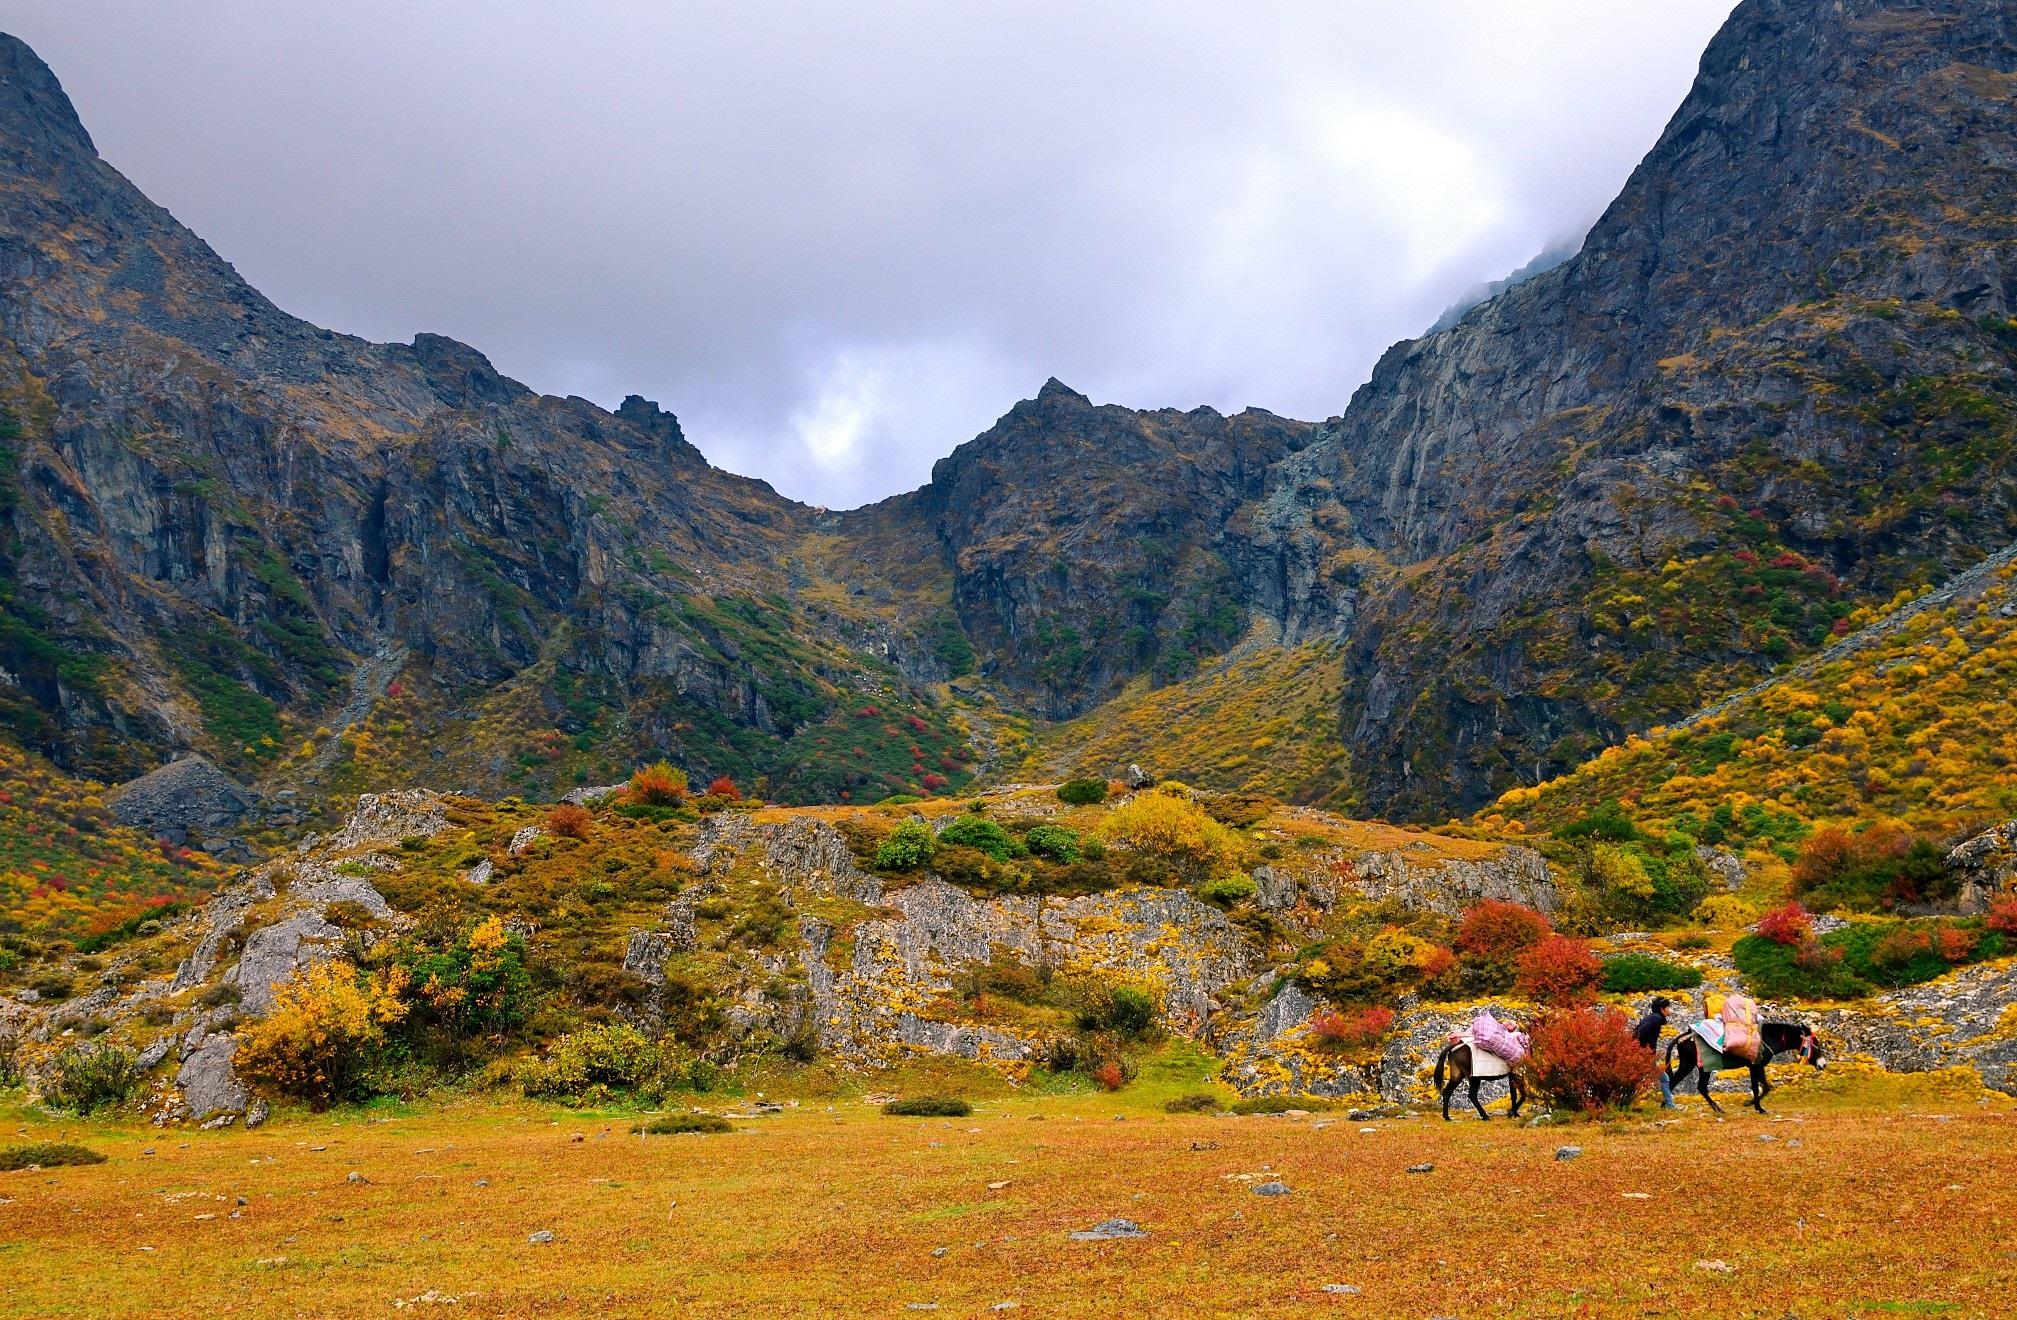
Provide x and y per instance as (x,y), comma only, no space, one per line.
(1441,1059)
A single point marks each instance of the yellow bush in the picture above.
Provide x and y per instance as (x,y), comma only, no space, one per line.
(1172,830)
(325,1022)
(1724,912)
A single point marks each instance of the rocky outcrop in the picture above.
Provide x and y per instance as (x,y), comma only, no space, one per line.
(388,818)
(1967,1019)
(186,801)
(1417,878)
(1984,867)
(207,1081)
(801,853)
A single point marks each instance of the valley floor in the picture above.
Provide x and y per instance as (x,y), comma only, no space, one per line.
(1862,1195)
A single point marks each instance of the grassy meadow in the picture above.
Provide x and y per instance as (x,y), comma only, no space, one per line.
(1862,1195)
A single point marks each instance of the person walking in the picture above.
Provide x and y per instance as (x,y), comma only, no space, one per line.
(1647,1033)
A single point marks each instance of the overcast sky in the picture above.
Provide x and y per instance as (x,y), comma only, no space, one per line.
(839,239)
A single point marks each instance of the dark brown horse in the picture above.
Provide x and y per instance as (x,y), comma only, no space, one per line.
(1684,1057)
(1458,1058)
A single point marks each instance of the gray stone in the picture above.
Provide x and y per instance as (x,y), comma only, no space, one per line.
(543,1235)
(387,818)
(1109,1230)
(1341,1289)
(208,1082)
(1424,1167)
(1567,1152)
(188,798)
(255,1116)
(1276,1188)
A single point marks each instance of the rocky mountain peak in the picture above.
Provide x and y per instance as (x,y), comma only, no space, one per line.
(36,117)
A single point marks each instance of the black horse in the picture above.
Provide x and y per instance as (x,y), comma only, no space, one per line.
(1773,1037)
(1458,1057)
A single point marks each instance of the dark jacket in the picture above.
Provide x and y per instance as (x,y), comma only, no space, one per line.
(1647,1033)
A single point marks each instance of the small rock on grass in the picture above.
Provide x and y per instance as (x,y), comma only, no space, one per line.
(1342,1289)
(1423,1167)
(1567,1152)
(1109,1230)
(1716,1266)
(543,1235)
(1276,1188)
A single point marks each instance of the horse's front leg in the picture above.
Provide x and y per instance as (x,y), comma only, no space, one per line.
(1517,1091)
(1482,1115)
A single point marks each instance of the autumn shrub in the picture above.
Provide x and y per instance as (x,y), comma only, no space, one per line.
(1807,970)
(1282,1104)
(326,1025)
(472,983)
(86,1078)
(1491,937)
(1006,975)
(724,788)
(1631,973)
(1082,792)
(568,821)
(660,784)
(928,1106)
(1558,970)
(1639,882)
(1351,1030)
(1790,925)
(1110,1075)
(591,1064)
(46,1155)
(1390,962)
(1879,866)
(1723,912)
(2002,915)
(1120,1009)
(909,847)
(983,836)
(1195,1102)
(1586,1059)
(1174,834)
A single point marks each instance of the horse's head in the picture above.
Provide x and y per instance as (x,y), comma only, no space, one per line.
(1796,1038)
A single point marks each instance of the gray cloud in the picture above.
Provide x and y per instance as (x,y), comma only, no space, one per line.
(838,240)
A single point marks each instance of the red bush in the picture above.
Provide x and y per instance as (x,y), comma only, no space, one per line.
(2002,915)
(724,787)
(1900,947)
(1109,1075)
(1354,1030)
(657,785)
(917,725)
(568,821)
(1559,970)
(1497,931)
(1955,944)
(1587,1059)
(1791,925)
(933,783)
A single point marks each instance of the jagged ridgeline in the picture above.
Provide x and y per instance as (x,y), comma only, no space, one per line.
(1773,388)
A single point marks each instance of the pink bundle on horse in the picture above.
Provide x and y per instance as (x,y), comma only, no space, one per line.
(1495,1037)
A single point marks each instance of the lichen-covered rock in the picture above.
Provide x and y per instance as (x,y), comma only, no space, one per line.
(1448,885)
(387,818)
(800,853)
(1725,865)
(1964,1019)
(207,1081)
(1984,867)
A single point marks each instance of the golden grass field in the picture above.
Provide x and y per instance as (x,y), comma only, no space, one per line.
(1877,1197)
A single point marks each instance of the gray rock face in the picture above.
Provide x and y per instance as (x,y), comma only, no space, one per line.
(183,800)
(1449,885)
(1985,867)
(1725,865)
(386,818)
(801,854)
(1958,1020)
(208,1083)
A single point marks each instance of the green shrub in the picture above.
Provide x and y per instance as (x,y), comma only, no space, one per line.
(928,1106)
(87,1078)
(1121,1009)
(675,1124)
(45,1155)
(584,1064)
(909,847)
(1055,842)
(899,800)
(1281,1104)
(1197,1102)
(983,836)
(1806,971)
(1227,890)
(1629,973)
(1082,792)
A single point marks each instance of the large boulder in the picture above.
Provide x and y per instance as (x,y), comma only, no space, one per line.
(1985,867)
(183,801)
(208,1082)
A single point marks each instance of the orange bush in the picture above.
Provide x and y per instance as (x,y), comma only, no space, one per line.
(724,787)
(2002,915)
(657,785)
(1355,1030)
(568,821)
(1497,931)
(1559,970)
(1791,925)
(1587,1059)
(1109,1075)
